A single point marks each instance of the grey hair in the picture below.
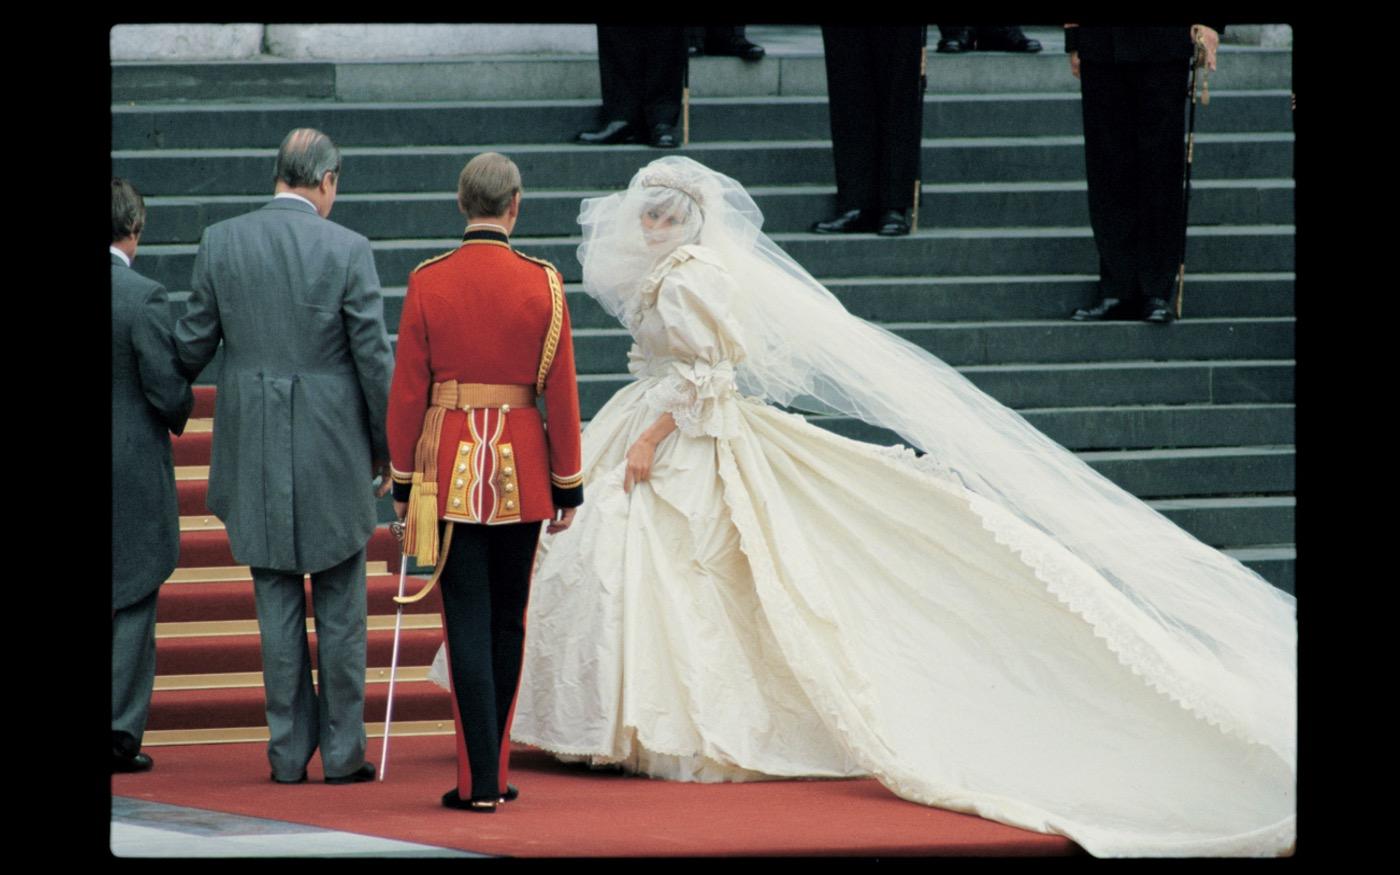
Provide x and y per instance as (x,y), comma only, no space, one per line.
(305,157)
(487,184)
(128,210)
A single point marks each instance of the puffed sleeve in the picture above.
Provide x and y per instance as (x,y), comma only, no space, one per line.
(695,304)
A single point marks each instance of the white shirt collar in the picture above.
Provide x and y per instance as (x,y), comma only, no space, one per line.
(298,197)
(122,255)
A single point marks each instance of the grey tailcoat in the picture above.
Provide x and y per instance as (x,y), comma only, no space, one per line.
(303,385)
(150,399)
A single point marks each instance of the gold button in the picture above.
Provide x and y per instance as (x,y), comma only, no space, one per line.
(506,452)
(462,467)
(461,483)
(462,451)
(456,502)
(507,470)
(510,487)
(510,505)
(505,408)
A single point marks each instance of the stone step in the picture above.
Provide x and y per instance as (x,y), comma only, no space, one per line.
(560,77)
(1142,426)
(936,252)
(1276,564)
(1080,385)
(263,125)
(597,350)
(1233,522)
(1198,472)
(785,208)
(777,162)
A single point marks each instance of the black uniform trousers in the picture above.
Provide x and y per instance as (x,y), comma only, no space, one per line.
(1134,157)
(641,71)
(485,588)
(872,79)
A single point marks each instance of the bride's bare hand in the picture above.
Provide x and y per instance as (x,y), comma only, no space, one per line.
(639,459)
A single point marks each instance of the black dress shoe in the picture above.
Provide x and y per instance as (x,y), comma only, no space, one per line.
(363,773)
(1157,310)
(1107,309)
(1015,41)
(512,793)
(450,799)
(137,762)
(301,779)
(615,131)
(738,48)
(849,222)
(959,41)
(664,137)
(892,224)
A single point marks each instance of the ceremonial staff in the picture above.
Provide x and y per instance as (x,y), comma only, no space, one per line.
(397,527)
(685,102)
(1197,60)
(919,140)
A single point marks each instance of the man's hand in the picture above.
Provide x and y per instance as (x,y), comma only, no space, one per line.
(1207,39)
(380,469)
(1074,64)
(563,518)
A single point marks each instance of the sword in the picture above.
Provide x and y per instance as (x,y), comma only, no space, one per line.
(397,528)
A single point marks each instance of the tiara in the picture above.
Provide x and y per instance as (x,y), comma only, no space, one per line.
(685,183)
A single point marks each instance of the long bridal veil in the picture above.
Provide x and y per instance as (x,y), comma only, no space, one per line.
(1193,623)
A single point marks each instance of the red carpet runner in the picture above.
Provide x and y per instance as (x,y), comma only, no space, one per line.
(566,811)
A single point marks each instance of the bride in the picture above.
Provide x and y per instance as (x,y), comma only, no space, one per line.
(990,626)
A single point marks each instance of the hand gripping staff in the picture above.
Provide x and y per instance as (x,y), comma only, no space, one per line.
(397,528)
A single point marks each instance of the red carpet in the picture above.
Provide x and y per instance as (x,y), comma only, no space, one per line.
(573,811)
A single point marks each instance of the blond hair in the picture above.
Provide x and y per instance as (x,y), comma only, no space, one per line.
(487,184)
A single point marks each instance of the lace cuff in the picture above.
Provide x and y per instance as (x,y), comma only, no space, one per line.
(693,394)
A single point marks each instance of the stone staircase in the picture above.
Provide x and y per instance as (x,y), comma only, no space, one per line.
(1196,417)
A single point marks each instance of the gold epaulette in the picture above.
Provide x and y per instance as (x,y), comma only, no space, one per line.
(548,266)
(427,261)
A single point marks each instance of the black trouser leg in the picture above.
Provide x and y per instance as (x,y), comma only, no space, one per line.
(900,115)
(665,62)
(1111,167)
(641,70)
(1161,134)
(485,585)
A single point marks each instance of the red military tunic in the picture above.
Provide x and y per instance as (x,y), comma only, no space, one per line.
(483,314)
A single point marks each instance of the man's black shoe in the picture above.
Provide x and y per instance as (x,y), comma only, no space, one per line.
(960,41)
(664,137)
(893,224)
(1157,310)
(737,47)
(1106,310)
(849,222)
(363,773)
(451,799)
(512,793)
(1014,41)
(137,762)
(616,131)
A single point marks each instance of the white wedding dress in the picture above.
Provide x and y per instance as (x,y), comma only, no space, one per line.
(779,601)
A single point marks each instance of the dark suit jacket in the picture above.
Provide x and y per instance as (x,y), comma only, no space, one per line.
(303,386)
(150,399)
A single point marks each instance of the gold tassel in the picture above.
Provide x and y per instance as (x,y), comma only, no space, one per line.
(420,531)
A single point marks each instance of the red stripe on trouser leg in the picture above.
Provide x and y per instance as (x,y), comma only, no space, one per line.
(464,765)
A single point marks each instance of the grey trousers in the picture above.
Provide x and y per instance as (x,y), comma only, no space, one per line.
(298,719)
(133,672)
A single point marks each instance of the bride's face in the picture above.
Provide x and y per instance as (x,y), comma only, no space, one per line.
(666,222)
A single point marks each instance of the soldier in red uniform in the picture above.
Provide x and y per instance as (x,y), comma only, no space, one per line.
(484,333)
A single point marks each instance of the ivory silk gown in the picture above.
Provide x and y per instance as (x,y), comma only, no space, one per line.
(778,601)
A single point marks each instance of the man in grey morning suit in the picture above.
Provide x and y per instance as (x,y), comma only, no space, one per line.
(298,435)
(150,399)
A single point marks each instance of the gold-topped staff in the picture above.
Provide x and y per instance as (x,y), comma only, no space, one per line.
(1197,61)
(685,102)
(919,162)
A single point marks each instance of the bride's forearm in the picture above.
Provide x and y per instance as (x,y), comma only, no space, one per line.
(657,431)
